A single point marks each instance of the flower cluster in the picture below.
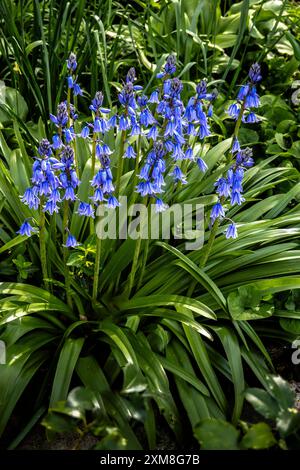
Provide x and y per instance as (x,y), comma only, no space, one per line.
(247,98)
(230,186)
(102,182)
(170,130)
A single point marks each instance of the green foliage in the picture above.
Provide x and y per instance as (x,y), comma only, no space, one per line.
(163,352)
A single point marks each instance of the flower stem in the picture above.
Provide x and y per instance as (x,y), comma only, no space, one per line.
(136,255)
(120,163)
(146,250)
(97,269)
(43,247)
(134,265)
(65,253)
(207,249)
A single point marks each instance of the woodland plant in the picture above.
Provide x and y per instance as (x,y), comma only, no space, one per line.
(133,320)
(169,129)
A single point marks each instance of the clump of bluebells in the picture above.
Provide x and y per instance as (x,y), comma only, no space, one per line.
(170,127)
(230,186)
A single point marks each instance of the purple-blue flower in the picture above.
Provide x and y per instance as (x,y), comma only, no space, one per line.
(231,231)
(71,241)
(26,229)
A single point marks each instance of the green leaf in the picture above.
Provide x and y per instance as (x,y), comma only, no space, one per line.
(215,434)
(166,300)
(64,370)
(59,424)
(12,100)
(262,402)
(198,274)
(259,436)
(245,304)
(233,353)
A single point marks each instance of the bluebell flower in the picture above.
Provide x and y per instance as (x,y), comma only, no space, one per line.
(61,118)
(129,153)
(50,207)
(189,154)
(97,102)
(202,165)
(98,195)
(234,110)
(169,68)
(203,131)
(135,127)
(202,89)
(252,98)
(217,211)
(153,133)
(71,241)
(30,199)
(178,175)
(72,62)
(131,75)
(55,196)
(56,142)
(154,97)
(112,202)
(251,118)
(126,96)
(236,198)
(70,82)
(69,134)
(235,146)
(243,92)
(76,89)
(124,123)
(26,229)
(85,132)
(231,231)
(112,122)
(210,111)
(145,171)
(86,209)
(255,73)
(244,158)
(146,118)
(69,194)
(223,187)
(100,125)
(44,148)
(160,206)
(145,188)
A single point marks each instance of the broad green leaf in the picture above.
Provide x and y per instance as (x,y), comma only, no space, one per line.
(214,434)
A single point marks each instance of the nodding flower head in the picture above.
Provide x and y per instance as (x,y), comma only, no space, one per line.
(72,62)
(97,101)
(170,66)
(231,231)
(44,148)
(71,241)
(131,75)
(255,73)
(61,118)
(126,96)
(201,89)
(244,158)
(176,87)
(26,229)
